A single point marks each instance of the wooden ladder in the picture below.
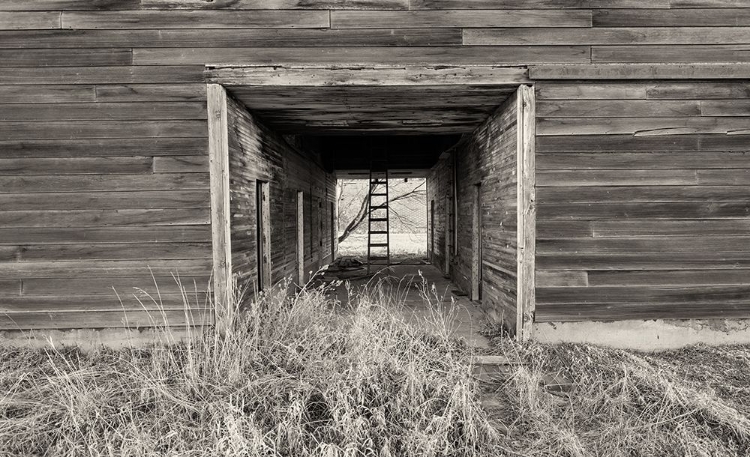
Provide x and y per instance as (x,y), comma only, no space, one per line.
(378,228)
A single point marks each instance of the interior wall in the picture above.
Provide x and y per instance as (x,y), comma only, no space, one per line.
(258,153)
(643,193)
(487,156)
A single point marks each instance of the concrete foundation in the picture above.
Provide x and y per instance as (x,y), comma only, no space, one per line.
(91,339)
(651,335)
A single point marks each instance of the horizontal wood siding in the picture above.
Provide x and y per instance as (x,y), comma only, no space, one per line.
(103,125)
(642,222)
(259,154)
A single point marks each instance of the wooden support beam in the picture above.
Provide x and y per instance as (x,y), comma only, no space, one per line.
(370,75)
(218,150)
(526,213)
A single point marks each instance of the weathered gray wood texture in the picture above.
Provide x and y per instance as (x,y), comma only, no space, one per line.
(486,157)
(643,200)
(259,154)
(103,137)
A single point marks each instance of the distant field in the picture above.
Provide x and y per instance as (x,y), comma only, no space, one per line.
(401,244)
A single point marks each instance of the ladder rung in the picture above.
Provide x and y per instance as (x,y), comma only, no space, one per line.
(378,181)
(374,208)
(378,219)
(379,245)
(378,195)
(378,232)
(379,257)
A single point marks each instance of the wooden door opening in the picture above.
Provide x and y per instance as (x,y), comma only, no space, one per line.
(388,83)
(263,210)
(432,231)
(476,245)
(300,238)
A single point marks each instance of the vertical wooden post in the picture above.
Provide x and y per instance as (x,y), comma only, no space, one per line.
(447,233)
(476,245)
(300,238)
(264,235)
(218,153)
(526,213)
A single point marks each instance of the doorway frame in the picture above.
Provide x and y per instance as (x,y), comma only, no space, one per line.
(283,76)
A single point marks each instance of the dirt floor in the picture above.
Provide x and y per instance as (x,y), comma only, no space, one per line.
(420,291)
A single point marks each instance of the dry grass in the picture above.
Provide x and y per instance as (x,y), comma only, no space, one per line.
(294,377)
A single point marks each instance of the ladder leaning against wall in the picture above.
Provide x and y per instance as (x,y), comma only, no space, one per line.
(378,229)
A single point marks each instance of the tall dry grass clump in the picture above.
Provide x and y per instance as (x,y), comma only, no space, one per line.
(286,376)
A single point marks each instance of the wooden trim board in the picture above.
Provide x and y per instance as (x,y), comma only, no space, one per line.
(526,213)
(218,151)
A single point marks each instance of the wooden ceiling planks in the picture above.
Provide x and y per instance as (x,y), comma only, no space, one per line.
(380,99)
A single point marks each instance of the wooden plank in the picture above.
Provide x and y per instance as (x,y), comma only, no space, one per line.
(733,294)
(109,165)
(643,126)
(639,160)
(671,177)
(278,4)
(228,38)
(10,288)
(194,19)
(708,4)
(101,129)
(540,4)
(134,319)
(699,17)
(101,183)
(124,287)
(670,54)
(390,77)
(105,268)
(102,111)
(373,55)
(725,108)
(669,278)
(57,5)
(46,94)
(372,98)
(64,57)
(174,74)
(96,218)
(526,212)
(300,247)
(640,90)
(726,177)
(607,36)
(94,235)
(546,229)
(645,261)
(630,143)
(460,18)
(105,200)
(619,246)
(181,164)
(30,20)
(218,151)
(652,228)
(264,231)
(162,251)
(103,148)
(562,278)
(151,93)
(611,194)
(658,210)
(644,311)
(619,108)
(641,71)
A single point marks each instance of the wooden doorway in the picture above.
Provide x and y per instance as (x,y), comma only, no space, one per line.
(263,210)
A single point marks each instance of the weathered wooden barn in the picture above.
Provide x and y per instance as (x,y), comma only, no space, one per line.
(588,161)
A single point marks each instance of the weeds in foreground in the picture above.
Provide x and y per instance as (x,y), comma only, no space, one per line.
(285,376)
(294,376)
